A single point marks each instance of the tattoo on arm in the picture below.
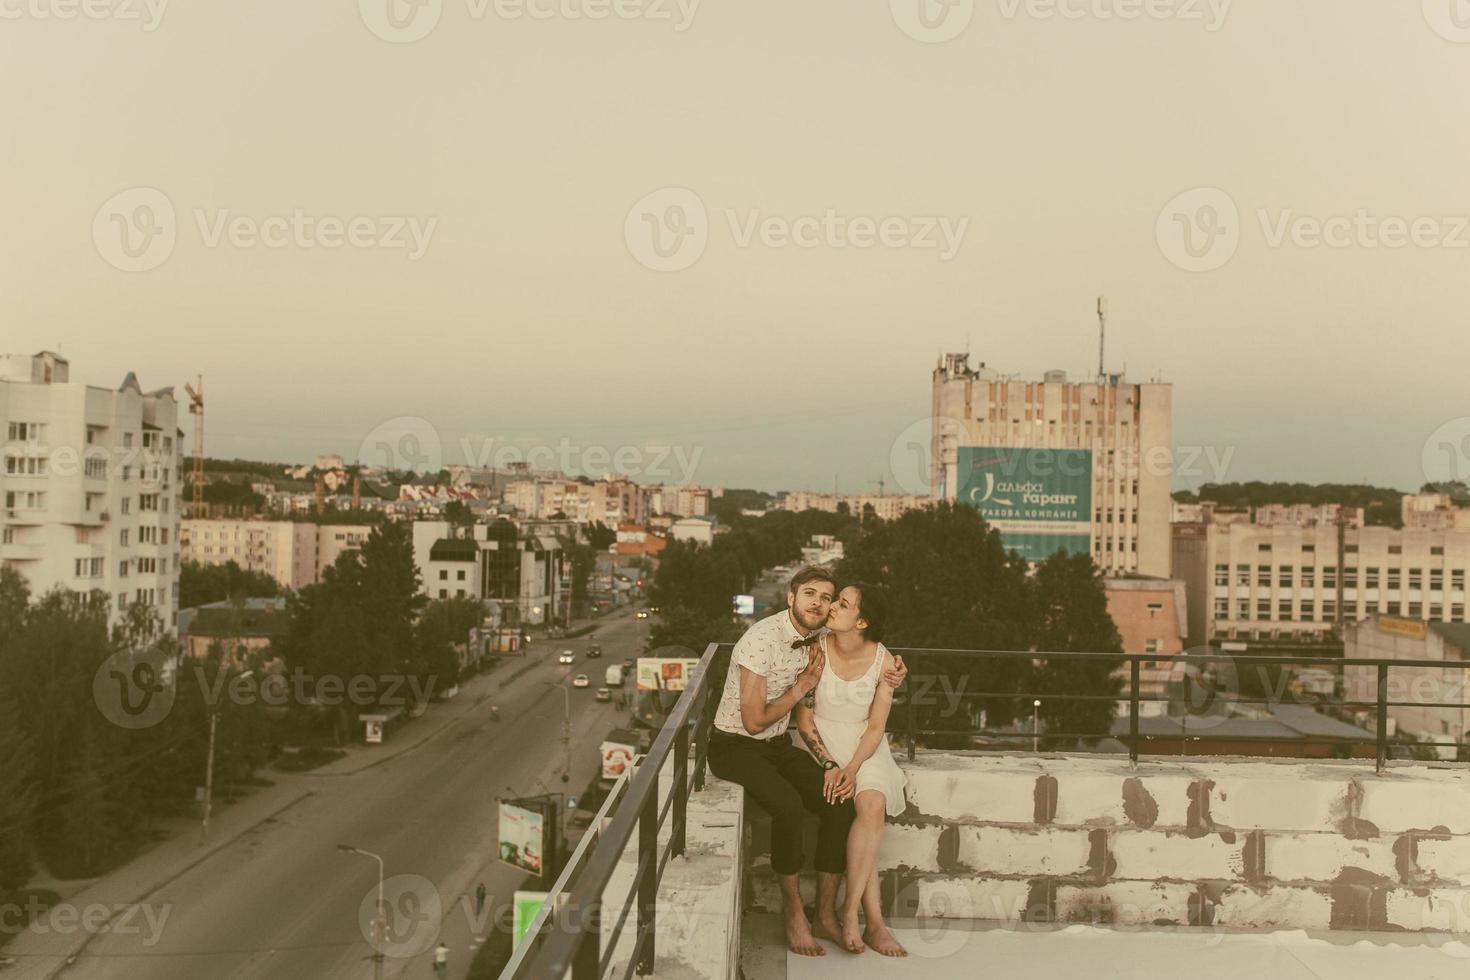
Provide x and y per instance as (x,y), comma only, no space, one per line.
(819,749)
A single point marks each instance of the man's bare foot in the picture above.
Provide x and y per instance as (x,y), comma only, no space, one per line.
(799,935)
(881,939)
(826,927)
(852,935)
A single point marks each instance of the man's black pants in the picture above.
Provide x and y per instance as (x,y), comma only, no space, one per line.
(787,782)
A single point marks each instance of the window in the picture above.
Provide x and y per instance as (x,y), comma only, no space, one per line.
(1243,609)
(1222,574)
(459,593)
(1263,576)
(127,440)
(1329,578)
(150,440)
(1395,549)
(1284,576)
(25,500)
(1457,612)
(1370,578)
(1436,578)
(1309,610)
(122,538)
(444,593)
(127,505)
(1222,608)
(443,574)
(122,569)
(89,567)
(1150,646)
(1263,547)
(1351,549)
(1457,578)
(1283,610)
(95,469)
(460,575)
(1329,609)
(1395,578)
(25,465)
(147,501)
(1435,549)
(163,536)
(1416,609)
(1263,608)
(1309,577)
(25,431)
(1350,578)
(1243,575)
(1436,612)
(1416,578)
(1309,548)
(7,536)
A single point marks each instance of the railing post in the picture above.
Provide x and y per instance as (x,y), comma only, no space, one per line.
(589,945)
(1382,717)
(681,789)
(1133,713)
(647,882)
(913,719)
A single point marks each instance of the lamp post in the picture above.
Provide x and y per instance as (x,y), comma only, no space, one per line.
(209,767)
(379,926)
(566,730)
(1035,727)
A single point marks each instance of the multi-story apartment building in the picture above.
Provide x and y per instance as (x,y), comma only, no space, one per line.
(888,506)
(517,569)
(1248,581)
(608,501)
(1083,467)
(1434,512)
(284,550)
(90,485)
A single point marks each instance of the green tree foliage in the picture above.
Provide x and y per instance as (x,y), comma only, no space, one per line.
(443,630)
(458,513)
(600,537)
(200,584)
(1070,613)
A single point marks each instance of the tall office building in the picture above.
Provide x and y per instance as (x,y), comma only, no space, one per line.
(90,485)
(1081,467)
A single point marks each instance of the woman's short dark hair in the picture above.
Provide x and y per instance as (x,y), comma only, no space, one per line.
(872,606)
(812,573)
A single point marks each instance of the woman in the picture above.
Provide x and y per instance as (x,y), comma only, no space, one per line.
(842,726)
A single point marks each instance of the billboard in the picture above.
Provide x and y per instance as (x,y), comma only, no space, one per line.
(523,827)
(1040,500)
(664,673)
(617,756)
(527,905)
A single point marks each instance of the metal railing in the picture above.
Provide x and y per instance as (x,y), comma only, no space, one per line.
(904,720)
(567,934)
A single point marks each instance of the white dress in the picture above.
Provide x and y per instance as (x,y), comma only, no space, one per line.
(842,716)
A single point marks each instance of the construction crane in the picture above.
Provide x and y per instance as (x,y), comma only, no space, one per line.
(196,409)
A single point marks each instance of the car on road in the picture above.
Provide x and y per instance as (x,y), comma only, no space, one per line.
(628,664)
(566,657)
(653,609)
(581,680)
(643,614)
(593,652)
(604,694)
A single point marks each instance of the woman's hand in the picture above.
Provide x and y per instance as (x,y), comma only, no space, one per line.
(837,785)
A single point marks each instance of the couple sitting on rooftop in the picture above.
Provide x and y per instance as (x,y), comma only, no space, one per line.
(820,663)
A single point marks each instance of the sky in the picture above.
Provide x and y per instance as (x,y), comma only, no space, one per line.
(745,231)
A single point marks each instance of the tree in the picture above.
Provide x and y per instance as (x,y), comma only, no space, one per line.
(443,632)
(1071,614)
(17,801)
(458,513)
(200,584)
(601,537)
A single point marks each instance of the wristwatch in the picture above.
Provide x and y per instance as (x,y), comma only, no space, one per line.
(829,765)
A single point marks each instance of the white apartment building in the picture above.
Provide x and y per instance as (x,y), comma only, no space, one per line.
(608,501)
(284,550)
(90,485)
(1275,582)
(1434,512)
(1126,431)
(888,506)
(519,570)
(335,540)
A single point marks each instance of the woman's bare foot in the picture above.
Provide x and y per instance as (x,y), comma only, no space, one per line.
(882,940)
(799,935)
(852,934)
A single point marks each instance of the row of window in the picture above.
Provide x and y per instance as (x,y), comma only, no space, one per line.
(36,431)
(1286,576)
(1308,611)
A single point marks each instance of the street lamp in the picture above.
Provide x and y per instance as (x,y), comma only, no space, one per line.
(566,729)
(1035,728)
(209,765)
(380,927)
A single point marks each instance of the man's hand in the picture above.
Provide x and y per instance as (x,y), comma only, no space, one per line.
(895,676)
(837,785)
(806,681)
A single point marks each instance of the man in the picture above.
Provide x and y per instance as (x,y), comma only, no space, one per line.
(441,960)
(774,666)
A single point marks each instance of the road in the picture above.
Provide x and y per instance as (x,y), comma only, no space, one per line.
(283,903)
